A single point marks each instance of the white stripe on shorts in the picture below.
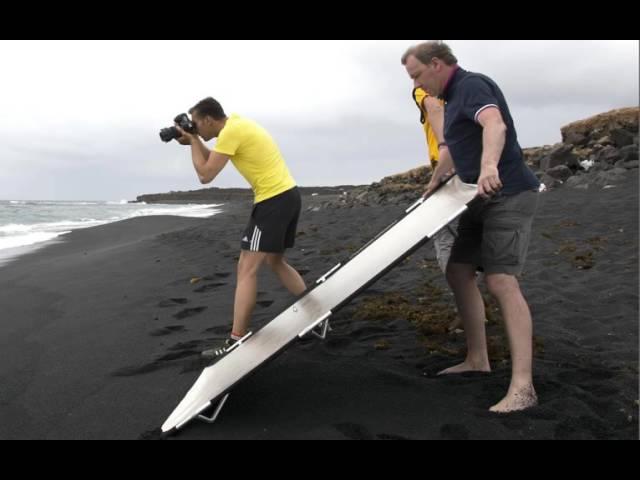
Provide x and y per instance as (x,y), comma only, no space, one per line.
(255,239)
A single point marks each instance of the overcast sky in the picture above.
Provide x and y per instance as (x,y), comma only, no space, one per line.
(80,119)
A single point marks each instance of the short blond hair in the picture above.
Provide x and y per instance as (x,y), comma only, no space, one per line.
(427,51)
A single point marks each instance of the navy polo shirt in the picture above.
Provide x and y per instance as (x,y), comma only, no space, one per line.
(466,95)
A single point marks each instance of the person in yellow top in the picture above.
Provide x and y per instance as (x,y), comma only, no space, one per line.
(277,204)
(432,119)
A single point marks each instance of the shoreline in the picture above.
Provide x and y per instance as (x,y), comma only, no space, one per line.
(10,254)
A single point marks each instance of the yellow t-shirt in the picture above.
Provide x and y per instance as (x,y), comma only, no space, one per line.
(256,156)
(432,141)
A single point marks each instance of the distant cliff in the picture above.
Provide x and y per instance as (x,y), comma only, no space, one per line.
(216,195)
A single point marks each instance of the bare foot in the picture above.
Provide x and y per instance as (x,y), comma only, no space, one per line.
(458,325)
(517,399)
(455,324)
(467,366)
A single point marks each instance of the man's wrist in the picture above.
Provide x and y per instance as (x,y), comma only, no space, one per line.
(488,165)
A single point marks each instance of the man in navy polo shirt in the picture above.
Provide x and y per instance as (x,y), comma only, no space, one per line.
(481,144)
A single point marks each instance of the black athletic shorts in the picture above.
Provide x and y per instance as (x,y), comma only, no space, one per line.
(273,223)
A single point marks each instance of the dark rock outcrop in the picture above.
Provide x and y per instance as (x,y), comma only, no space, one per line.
(595,152)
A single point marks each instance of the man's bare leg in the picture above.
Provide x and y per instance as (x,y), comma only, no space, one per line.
(288,275)
(517,318)
(462,279)
(246,290)
(443,242)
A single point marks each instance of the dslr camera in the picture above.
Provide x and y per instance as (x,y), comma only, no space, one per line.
(183,121)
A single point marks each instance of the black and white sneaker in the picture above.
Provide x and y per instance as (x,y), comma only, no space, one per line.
(219,350)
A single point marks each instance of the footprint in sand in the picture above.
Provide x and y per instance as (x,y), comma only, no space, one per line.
(189,312)
(215,276)
(191,344)
(172,302)
(167,330)
(184,354)
(209,286)
(182,350)
(225,330)
(178,355)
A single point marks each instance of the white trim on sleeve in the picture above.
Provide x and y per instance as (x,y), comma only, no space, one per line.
(475,117)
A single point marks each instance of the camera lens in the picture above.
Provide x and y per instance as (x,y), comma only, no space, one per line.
(168,134)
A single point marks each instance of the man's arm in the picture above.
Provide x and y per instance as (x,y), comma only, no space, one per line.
(199,155)
(435,116)
(215,163)
(208,163)
(445,167)
(493,139)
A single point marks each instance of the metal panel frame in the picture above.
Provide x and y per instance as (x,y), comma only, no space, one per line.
(331,292)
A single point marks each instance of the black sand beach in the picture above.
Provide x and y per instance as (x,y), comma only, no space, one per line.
(99,335)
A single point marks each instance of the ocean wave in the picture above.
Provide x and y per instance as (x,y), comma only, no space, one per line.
(17,234)
(28,239)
